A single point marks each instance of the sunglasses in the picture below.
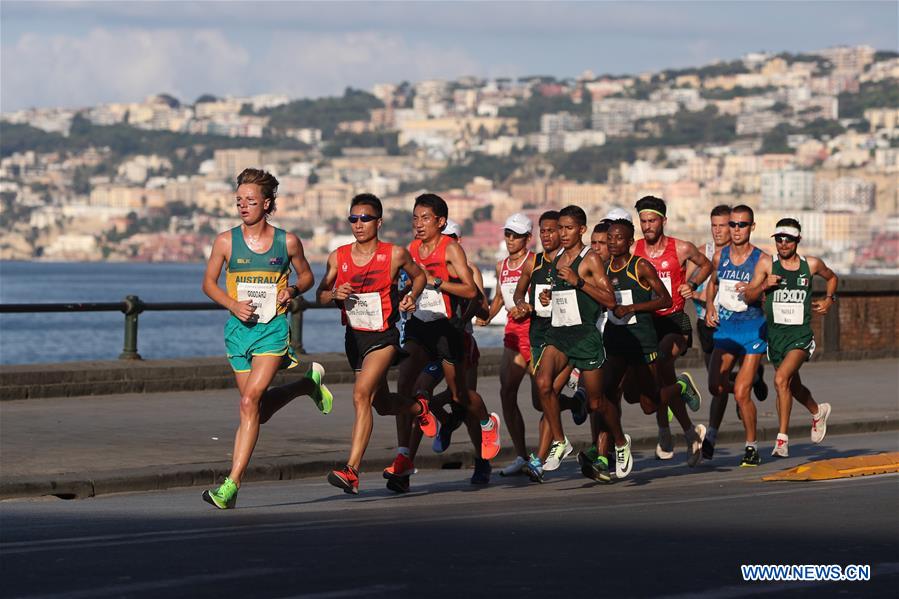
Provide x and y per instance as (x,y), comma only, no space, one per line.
(366,218)
(742,224)
(784,239)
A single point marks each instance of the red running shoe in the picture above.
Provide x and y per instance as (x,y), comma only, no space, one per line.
(401,466)
(347,478)
(426,421)
(490,439)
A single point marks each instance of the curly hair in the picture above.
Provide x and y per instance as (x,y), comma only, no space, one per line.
(266,181)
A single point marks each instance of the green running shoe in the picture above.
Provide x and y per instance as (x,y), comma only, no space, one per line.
(225,497)
(600,470)
(322,397)
(689,391)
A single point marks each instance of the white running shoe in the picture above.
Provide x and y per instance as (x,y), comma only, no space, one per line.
(694,444)
(819,424)
(519,466)
(557,452)
(624,461)
(781,448)
(665,446)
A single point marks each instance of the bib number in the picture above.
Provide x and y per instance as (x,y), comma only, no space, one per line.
(565,311)
(264,298)
(625,297)
(729,298)
(788,314)
(666,281)
(363,311)
(539,309)
(508,292)
(430,306)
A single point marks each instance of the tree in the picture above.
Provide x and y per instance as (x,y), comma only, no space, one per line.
(205,98)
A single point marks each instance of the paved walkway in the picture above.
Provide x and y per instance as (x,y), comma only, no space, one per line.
(86,446)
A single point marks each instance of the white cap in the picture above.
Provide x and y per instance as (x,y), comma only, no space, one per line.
(787,230)
(452,228)
(519,223)
(618,214)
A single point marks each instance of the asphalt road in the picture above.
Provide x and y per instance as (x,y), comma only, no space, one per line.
(665,531)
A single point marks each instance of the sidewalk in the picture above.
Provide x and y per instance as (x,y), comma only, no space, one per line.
(133,442)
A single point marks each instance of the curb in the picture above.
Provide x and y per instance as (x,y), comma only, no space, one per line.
(157,478)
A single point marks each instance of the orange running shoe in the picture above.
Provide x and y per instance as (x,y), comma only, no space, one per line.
(347,478)
(401,466)
(490,439)
(426,421)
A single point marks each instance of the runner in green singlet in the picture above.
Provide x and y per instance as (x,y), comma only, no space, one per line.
(786,281)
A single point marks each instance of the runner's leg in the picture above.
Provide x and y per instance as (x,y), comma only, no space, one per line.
(252,387)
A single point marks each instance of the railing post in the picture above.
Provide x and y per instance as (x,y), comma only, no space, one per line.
(295,308)
(133,307)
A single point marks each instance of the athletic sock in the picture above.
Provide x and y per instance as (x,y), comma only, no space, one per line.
(752,444)
(603,459)
(487,425)
(711,434)
(782,437)
(403,451)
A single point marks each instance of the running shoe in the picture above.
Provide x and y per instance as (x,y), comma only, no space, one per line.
(819,423)
(347,478)
(599,470)
(690,394)
(624,461)
(558,451)
(535,469)
(322,397)
(708,449)
(750,458)
(586,458)
(482,471)
(665,446)
(759,387)
(445,433)
(694,444)
(401,466)
(579,412)
(398,484)
(225,497)
(781,449)
(426,420)
(517,467)
(490,443)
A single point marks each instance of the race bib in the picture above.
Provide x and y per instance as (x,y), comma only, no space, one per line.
(729,298)
(789,314)
(363,311)
(624,297)
(430,306)
(565,312)
(508,291)
(666,281)
(539,309)
(264,298)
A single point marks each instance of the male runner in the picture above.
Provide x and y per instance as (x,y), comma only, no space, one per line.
(629,338)
(258,257)
(516,341)
(786,281)
(433,332)
(669,256)
(740,324)
(361,280)
(578,288)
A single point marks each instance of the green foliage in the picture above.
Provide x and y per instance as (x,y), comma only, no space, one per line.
(15,137)
(592,164)
(370,139)
(879,94)
(205,98)
(324,113)
(496,168)
(820,128)
(729,94)
(694,128)
(885,55)
(775,140)
(529,112)
(734,67)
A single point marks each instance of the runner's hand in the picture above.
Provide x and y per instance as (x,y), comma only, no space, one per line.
(568,275)
(343,292)
(685,291)
(520,311)
(822,306)
(243,310)
(545,296)
(772,281)
(407,304)
(284,297)
(741,287)
(481,322)
(711,317)
(621,311)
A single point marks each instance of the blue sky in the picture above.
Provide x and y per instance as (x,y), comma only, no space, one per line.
(84,53)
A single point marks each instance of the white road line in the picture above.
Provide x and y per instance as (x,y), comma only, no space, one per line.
(72,543)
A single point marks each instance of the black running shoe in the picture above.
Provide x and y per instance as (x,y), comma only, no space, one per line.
(759,387)
(708,449)
(482,471)
(398,484)
(445,434)
(601,472)
(750,458)
(580,411)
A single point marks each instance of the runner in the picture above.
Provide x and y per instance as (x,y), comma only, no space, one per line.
(516,341)
(578,287)
(786,281)
(719,218)
(740,325)
(361,280)
(629,338)
(433,333)
(669,256)
(258,257)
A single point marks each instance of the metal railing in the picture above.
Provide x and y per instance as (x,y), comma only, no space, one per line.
(132,307)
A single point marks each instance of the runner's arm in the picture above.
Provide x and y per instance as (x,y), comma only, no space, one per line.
(596,283)
(403,259)
(702,271)
(477,307)
(466,288)
(711,289)
(496,304)
(325,292)
(522,307)
(221,251)
(305,278)
(650,276)
(817,267)
(762,279)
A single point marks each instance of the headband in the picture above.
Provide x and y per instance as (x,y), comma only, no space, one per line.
(651,210)
(787,230)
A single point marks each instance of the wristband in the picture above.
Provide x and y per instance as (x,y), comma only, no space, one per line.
(580,283)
